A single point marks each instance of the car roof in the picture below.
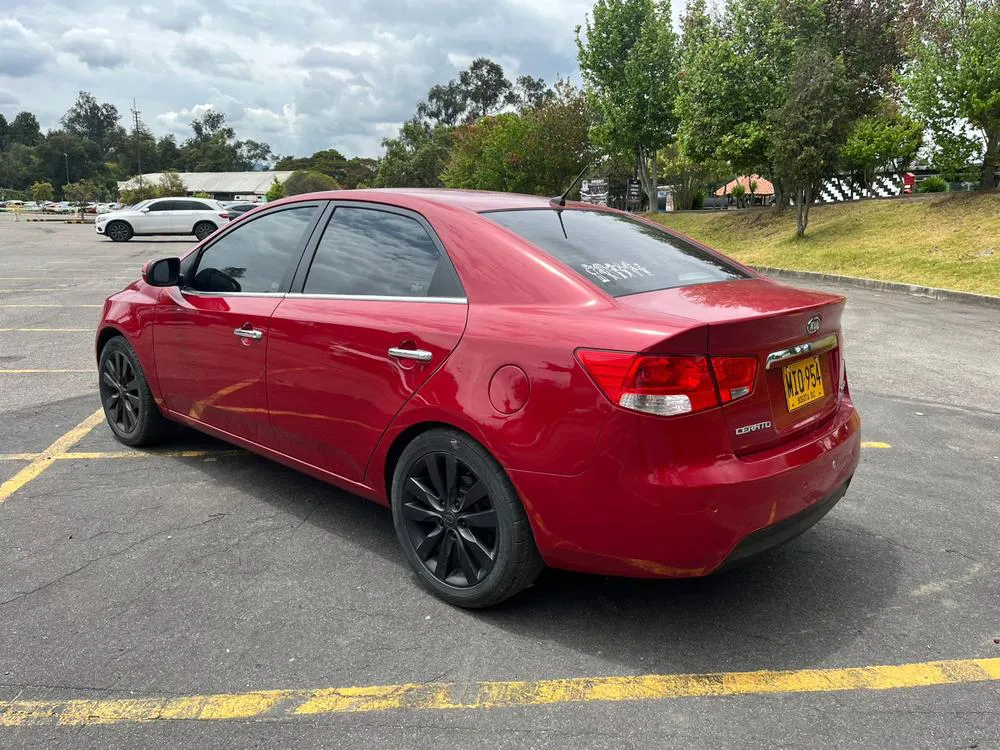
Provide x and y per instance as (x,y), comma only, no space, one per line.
(472,200)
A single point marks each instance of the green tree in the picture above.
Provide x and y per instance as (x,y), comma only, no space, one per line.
(138,193)
(170,185)
(4,132)
(953,82)
(168,155)
(808,129)
(17,166)
(95,122)
(24,129)
(275,192)
(886,141)
(347,172)
(537,151)
(309,182)
(481,90)
(686,176)
(80,191)
(628,59)
(42,191)
(416,157)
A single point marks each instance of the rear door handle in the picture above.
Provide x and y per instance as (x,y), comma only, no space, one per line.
(420,355)
(248,333)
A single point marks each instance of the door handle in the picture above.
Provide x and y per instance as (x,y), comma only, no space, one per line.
(248,333)
(420,355)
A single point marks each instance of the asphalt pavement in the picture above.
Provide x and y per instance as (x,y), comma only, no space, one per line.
(197,571)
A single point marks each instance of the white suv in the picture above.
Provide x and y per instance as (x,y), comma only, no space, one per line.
(197,216)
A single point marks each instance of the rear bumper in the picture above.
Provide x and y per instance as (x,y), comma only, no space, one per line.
(638,513)
(783,531)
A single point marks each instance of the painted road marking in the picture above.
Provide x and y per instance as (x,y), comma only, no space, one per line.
(875,444)
(44,459)
(103,455)
(286,704)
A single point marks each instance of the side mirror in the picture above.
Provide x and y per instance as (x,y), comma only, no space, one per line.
(144,210)
(162,272)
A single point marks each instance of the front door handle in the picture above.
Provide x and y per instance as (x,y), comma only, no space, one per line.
(249,333)
(420,355)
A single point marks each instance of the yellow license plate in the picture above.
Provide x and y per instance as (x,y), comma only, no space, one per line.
(803,383)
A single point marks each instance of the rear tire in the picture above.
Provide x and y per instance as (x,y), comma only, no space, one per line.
(132,414)
(461,525)
(202,229)
(119,231)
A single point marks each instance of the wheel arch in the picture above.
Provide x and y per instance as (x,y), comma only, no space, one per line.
(104,336)
(403,439)
(215,227)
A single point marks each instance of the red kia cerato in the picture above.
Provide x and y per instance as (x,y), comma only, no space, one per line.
(525,383)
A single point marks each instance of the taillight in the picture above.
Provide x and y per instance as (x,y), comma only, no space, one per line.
(669,385)
(735,376)
(225,216)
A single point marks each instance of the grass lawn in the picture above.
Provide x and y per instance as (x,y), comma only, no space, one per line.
(949,240)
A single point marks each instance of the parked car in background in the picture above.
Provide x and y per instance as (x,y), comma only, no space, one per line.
(237,209)
(521,381)
(159,216)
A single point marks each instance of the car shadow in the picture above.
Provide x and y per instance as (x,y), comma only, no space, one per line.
(790,608)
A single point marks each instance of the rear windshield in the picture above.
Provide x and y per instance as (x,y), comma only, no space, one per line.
(618,254)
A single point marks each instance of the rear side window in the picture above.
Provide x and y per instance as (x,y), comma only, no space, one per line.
(368,252)
(620,255)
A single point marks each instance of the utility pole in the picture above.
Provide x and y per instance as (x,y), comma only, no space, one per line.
(66,157)
(138,148)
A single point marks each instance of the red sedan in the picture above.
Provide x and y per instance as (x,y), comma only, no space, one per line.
(525,383)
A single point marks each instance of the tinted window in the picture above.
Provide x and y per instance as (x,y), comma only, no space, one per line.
(190,206)
(371,252)
(162,206)
(618,254)
(255,256)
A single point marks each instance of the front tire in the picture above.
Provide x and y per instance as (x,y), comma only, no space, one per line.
(461,525)
(119,231)
(202,229)
(128,404)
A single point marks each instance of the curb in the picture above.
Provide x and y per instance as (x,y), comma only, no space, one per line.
(914,290)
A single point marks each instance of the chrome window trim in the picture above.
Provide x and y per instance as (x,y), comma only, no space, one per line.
(379,298)
(198,293)
(819,346)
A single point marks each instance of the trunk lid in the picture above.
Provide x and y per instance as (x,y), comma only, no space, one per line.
(762,319)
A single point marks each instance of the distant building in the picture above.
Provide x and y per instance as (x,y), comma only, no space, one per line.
(223,186)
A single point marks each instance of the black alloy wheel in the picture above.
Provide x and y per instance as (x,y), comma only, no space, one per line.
(120,392)
(118,231)
(131,411)
(450,520)
(460,522)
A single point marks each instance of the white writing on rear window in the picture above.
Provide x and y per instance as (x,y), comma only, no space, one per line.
(606,273)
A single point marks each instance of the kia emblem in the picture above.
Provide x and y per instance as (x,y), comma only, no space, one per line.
(813,325)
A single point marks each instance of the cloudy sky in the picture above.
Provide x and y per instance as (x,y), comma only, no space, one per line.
(301,75)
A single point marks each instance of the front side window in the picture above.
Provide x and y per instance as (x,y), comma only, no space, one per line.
(376,253)
(255,257)
(162,206)
(616,253)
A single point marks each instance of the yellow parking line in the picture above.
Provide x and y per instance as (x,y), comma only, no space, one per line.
(875,444)
(103,455)
(100,455)
(490,695)
(44,459)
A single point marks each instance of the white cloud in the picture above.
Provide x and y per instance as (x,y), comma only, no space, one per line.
(301,75)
